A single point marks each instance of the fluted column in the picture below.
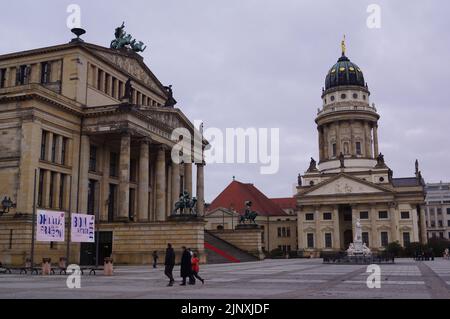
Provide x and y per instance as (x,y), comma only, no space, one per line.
(124,178)
(423,226)
(394,223)
(175,185)
(46,191)
(200,189)
(374,243)
(321,151)
(337,230)
(161,184)
(338,139)
(325,142)
(84,174)
(188,177)
(56,190)
(104,197)
(375,140)
(367,138)
(317,220)
(352,140)
(143,182)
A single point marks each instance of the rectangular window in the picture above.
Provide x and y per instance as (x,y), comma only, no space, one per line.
(433,223)
(113,88)
(406,239)
(309,216)
(120,96)
(45,72)
(439,211)
(64,151)
(310,240)
(384,239)
(448,223)
(133,169)
(52,192)
(441,235)
(99,79)
(288,232)
(61,192)
(365,238)
(2,78)
(91,197)
(405,215)
(383,215)
(22,75)
(107,83)
(279,232)
(441,224)
(363,215)
(113,165)
(40,187)
(358,148)
(334,150)
(93,158)
(55,138)
(328,241)
(448,211)
(10,238)
(43,145)
(327,216)
(111,202)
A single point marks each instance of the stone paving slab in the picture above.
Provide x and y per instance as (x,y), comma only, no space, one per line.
(277,279)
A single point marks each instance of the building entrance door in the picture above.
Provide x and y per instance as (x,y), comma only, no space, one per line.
(88,250)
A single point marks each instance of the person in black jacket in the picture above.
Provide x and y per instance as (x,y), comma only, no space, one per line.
(169,263)
(186,266)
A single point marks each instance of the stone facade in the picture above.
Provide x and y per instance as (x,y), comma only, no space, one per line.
(351,180)
(65,119)
(438,210)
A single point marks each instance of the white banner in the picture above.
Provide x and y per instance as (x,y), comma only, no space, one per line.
(83,228)
(50,226)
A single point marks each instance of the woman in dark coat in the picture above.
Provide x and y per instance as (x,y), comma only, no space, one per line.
(186,266)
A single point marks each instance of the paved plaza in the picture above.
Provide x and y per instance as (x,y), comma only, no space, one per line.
(272,279)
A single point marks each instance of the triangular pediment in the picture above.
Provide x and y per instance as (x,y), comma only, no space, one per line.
(345,185)
(134,66)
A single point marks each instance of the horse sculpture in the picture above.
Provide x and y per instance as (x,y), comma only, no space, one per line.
(185,203)
(249,215)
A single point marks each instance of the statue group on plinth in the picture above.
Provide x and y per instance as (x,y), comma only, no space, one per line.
(249,215)
(358,248)
(186,206)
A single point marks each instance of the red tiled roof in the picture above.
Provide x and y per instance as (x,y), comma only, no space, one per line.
(285,203)
(236,194)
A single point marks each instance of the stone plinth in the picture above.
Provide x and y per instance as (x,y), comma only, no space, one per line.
(247,239)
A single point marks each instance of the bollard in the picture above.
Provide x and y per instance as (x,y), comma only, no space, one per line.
(46,266)
(28,263)
(108,267)
(62,263)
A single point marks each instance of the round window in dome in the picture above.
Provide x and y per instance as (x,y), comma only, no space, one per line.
(364,97)
(332,98)
(341,69)
(351,69)
(343,96)
(355,96)
(381,179)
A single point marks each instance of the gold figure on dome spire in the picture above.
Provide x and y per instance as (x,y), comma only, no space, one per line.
(343,47)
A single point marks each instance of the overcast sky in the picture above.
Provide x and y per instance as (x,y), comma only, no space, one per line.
(257,63)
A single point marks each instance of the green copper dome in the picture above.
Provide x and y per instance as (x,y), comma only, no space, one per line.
(343,73)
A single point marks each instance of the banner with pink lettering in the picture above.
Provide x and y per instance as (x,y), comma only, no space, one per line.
(50,226)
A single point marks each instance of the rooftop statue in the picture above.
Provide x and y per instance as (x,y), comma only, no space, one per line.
(124,40)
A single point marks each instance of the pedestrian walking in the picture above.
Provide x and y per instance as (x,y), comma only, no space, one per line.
(169,263)
(186,266)
(196,268)
(155,258)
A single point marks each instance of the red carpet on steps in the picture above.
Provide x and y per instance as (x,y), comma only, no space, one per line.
(221,253)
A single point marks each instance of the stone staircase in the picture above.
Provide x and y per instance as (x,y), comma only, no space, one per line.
(219,251)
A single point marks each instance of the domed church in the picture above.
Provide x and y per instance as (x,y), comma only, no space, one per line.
(351,180)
